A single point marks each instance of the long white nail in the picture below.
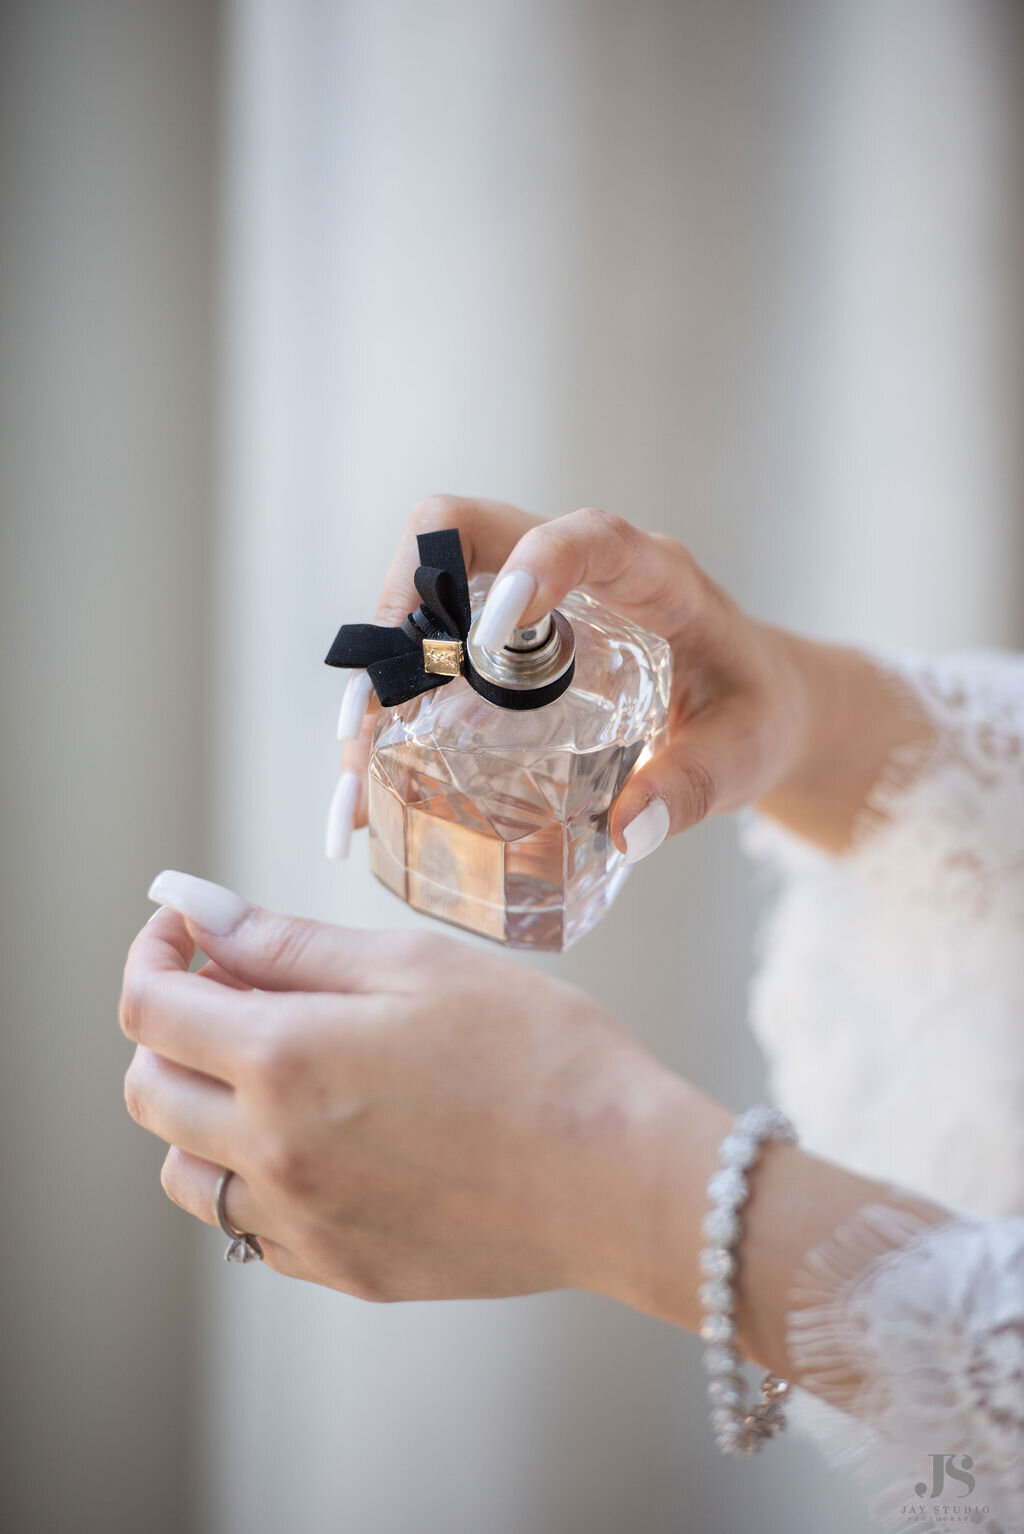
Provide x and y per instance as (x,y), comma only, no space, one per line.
(506,602)
(209,905)
(341,817)
(354,704)
(646,831)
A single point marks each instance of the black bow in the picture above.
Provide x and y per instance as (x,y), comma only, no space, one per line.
(394,657)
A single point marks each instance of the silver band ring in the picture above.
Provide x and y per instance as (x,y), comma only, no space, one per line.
(243,1247)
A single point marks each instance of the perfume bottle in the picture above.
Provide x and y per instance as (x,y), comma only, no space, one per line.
(490,785)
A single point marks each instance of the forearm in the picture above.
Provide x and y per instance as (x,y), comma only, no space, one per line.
(796,1202)
(851,720)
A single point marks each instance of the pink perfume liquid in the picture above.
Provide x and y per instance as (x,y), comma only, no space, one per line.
(496,819)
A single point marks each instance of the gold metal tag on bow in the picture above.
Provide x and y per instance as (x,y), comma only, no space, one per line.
(442,657)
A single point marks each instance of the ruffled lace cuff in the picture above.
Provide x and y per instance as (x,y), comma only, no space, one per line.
(929,1320)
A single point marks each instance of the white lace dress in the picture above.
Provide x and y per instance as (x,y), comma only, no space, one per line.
(889,1001)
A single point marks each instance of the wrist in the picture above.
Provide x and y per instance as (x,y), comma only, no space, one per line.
(848,721)
(792,712)
(649,1259)
(648,1255)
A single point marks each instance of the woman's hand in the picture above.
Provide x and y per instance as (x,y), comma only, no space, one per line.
(736,715)
(758,715)
(408,1117)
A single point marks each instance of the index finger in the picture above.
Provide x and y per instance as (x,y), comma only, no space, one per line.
(192,1019)
(489,530)
(650,579)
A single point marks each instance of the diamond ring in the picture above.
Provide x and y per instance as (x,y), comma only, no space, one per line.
(242,1247)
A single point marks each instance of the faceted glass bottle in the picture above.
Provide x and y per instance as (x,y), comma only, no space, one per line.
(496,819)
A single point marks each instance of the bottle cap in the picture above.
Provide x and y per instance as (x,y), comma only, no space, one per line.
(534,668)
(435,643)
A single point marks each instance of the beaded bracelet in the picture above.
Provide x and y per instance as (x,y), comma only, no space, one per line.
(738,1428)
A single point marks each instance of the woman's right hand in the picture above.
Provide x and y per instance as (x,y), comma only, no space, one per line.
(738,710)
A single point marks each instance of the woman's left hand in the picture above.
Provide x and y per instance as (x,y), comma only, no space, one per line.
(408,1117)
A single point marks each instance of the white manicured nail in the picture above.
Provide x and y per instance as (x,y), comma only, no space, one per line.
(354,705)
(341,817)
(506,602)
(209,905)
(646,831)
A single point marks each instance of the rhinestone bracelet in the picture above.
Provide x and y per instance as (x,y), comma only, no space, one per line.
(738,1428)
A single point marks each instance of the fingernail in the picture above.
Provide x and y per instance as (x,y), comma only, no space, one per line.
(506,602)
(354,705)
(341,817)
(646,831)
(209,905)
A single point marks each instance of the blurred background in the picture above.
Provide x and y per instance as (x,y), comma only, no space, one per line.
(746,271)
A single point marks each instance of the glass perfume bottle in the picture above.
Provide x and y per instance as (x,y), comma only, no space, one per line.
(489,796)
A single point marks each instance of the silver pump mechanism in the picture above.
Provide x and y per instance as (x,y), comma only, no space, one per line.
(532,636)
(535,655)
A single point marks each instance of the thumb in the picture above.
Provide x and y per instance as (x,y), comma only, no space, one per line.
(269,951)
(675,790)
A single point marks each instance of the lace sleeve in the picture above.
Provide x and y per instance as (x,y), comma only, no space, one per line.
(889,1002)
(889,991)
(944,827)
(932,1320)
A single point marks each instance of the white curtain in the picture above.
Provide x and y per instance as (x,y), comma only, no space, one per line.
(731,270)
(107,158)
(745,272)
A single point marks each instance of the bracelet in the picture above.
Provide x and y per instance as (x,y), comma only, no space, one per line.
(738,1428)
